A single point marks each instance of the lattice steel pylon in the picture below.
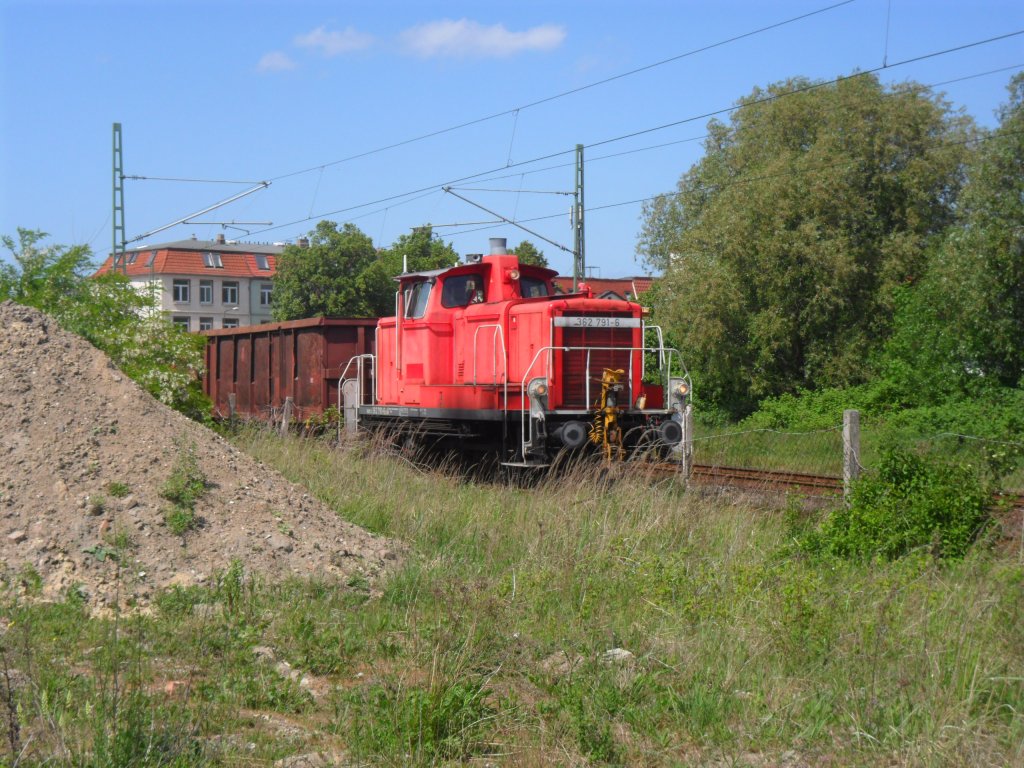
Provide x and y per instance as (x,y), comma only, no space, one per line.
(118,213)
(579,267)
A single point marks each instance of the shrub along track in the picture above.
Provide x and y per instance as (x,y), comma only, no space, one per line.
(1007,506)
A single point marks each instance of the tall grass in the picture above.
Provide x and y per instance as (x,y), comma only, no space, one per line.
(739,642)
(490,643)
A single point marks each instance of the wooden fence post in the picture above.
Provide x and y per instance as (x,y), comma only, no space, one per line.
(231,406)
(851,450)
(286,419)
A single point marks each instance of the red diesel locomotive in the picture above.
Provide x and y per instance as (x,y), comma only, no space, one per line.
(486,356)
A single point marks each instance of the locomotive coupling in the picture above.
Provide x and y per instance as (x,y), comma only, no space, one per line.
(605,431)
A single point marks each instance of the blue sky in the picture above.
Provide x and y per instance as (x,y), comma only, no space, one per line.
(253,91)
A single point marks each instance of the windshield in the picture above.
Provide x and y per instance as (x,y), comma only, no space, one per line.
(462,290)
(416,296)
(532,287)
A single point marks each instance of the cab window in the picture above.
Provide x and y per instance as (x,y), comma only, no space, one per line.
(532,287)
(462,290)
(416,296)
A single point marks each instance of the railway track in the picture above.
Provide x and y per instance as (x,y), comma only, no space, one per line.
(783,481)
(757,479)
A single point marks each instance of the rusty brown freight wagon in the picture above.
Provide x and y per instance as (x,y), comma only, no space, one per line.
(262,365)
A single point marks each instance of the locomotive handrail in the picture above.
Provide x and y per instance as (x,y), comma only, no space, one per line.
(523,401)
(494,354)
(661,348)
(358,360)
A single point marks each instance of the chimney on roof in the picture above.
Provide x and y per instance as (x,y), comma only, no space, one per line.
(220,239)
(193,235)
(303,242)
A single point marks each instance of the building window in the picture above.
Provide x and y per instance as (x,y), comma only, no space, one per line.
(262,262)
(229,293)
(266,289)
(206,291)
(151,259)
(212,260)
(181,291)
(180,321)
(132,257)
(230,322)
(205,323)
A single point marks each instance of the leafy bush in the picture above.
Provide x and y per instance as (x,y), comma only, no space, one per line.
(183,489)
(187,483)
(910,502)
(111,314)
(180,520)
(118,490)
(984,429)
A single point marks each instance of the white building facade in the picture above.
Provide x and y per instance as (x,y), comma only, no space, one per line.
(207,284)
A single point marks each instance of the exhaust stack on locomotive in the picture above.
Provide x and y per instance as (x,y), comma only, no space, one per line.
(487,355)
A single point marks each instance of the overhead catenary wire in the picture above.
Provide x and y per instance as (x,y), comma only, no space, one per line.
(516,191)
(753,179)
(651,147)
(426,191)
(488,174)
(190,181)
(810,87)
(516,110)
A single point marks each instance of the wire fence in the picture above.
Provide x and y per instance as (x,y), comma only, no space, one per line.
(820,452)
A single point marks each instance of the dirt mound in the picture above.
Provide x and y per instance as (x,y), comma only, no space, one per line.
(76,435)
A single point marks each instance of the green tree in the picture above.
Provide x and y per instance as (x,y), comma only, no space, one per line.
(983,260)
(528,254)
(960,328)
(42,276)
(324,278)
(783,248)
(417,251)
(111,314)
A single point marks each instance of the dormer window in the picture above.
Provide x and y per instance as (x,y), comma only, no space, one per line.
(132,257)
(212,260)
(151,259)
(262,262)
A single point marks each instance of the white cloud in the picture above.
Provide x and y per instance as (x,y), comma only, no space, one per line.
(275,61)
(333,43)
(468,38)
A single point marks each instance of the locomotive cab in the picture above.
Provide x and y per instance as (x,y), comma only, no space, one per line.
(485,354)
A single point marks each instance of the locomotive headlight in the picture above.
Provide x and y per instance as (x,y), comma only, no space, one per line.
(537,389)
(679,390)
(514,274)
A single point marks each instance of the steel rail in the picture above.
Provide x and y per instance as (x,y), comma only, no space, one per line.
(784,480)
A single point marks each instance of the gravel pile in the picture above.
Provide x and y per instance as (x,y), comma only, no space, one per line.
(73,428)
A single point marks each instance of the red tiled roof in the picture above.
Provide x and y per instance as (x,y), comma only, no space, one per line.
(173,261)
(619,285)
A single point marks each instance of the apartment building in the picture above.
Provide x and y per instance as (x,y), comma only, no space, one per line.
(206,284)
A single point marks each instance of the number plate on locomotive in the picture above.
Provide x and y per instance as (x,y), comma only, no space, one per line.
(592,321)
